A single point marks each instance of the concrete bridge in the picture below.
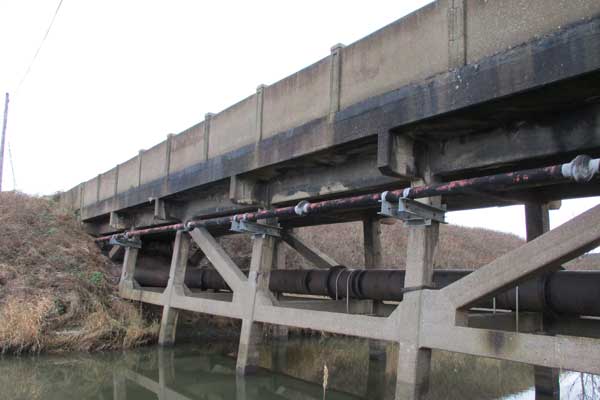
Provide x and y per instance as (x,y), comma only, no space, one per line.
(458,89)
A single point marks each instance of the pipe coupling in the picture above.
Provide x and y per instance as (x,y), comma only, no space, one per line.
(582,169)
(302,208)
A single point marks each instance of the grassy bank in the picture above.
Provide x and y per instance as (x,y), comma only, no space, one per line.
(57,292)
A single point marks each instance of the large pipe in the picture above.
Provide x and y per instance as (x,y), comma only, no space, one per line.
(581,169)
(562,292)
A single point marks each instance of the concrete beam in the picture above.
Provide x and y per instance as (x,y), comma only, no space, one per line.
(547,252)
(395,155)
(219,258)
(567,353)
(311,253)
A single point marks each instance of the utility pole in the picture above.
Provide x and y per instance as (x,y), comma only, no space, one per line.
(3,137)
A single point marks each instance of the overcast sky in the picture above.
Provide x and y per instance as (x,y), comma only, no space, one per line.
(114,77)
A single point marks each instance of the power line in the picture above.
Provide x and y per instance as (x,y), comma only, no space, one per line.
(39,47)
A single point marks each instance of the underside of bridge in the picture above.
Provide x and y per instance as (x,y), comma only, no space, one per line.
(533,105)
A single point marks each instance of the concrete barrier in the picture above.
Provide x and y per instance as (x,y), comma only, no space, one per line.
(90,192)
(297,99)
(128,175)
(233,128)
(108,181)
(410,49)
(154,163)
(187,148)
(494,26)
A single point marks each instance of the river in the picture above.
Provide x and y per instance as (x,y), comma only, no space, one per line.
(291,369)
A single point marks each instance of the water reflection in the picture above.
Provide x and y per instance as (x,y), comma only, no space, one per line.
(290,370)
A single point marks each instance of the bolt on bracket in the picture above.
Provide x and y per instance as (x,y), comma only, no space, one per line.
(254,228)
(412,212)
(124,241)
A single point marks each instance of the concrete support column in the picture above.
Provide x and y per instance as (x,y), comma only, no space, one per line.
(547,384)
(256,292)
(168,323)
(412,375)
(378,360)
(128,270)
(280,332)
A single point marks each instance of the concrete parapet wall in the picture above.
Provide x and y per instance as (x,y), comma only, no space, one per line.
(493,26)
(154,163)
(233,128)
(71,198)
(128,175)
(297,99)
(107,184)
(187,148)
(90,191)
(407,50)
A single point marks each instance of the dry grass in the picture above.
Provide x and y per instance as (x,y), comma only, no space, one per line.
(56,289)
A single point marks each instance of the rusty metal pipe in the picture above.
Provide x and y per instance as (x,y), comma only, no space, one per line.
(581,169)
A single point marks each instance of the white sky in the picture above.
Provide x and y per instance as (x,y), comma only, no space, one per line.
(114,77)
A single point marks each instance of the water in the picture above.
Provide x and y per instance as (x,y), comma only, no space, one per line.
(291,370)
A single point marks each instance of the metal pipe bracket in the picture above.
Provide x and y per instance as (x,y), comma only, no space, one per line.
(412,212)
(125,241)
(243,226)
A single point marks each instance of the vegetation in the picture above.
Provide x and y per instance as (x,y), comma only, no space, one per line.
(459,247)
(57,291)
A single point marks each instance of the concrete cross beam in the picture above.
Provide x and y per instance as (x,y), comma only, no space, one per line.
(547,252)
(219,258)
(311,253)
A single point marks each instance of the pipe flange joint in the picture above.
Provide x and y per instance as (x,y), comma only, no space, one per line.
(582,169)
(301,208)
(188,226)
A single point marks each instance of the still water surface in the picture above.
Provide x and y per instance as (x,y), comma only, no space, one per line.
(291,370)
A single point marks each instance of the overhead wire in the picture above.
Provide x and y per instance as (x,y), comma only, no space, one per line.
(12,167)
(39,47)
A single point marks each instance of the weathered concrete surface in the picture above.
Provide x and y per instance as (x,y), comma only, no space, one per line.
(108,180)
(233,128)
(154,163)
(408,79)
(128,175)
(494,26)
(297,99)
(412,48)
(187,148)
